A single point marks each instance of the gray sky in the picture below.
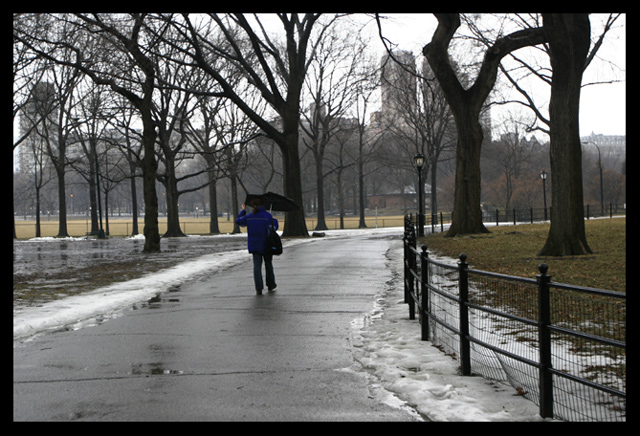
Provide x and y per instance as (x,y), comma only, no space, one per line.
(603,106)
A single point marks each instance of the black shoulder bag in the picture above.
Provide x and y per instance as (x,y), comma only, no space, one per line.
(274,244)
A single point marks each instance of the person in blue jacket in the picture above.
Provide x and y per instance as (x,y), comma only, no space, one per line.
(257,223)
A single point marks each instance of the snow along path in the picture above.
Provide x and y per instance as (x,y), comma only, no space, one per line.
(388,345)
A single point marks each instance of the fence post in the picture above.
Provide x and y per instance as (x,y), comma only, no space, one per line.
(412,267)
(463,284)
(409,264)
(424,293)
(544,337)
(404,261)
(406,257)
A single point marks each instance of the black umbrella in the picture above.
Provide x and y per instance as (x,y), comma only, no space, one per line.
(273,201)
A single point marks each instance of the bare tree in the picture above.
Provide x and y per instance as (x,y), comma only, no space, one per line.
(234,130)
(28,70)
(570,52)
(129,143)
(110,171)
(40,173)
(333,83)
(89,124)
(276,71)
(56,134)
(343,156)
(423,124)
(265,170)
(172,109)
(128,40)
(466,105)
(569,40)
(368,139)
(510,154)
(221,136)
(126,69)
(207,143)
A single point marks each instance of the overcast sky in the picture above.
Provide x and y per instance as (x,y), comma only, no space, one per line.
(602,108)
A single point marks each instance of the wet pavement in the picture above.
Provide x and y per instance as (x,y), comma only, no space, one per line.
(212,350)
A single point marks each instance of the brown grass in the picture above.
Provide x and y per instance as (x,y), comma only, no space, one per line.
(514,250)
(189,225)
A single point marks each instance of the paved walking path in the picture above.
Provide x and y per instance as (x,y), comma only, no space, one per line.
(214,351)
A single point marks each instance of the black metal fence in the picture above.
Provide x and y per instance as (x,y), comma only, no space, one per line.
(436,221)
(561,346)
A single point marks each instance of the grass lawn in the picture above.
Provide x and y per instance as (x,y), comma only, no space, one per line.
(189,225)
(514,250)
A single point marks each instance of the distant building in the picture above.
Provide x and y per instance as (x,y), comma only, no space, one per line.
(610,146)
(398,83)
(37,118)
(399,200)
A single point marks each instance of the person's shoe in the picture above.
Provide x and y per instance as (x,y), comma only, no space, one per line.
(272,289)
(258,291)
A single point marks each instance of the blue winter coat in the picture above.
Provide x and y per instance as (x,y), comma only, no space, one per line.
(257,228)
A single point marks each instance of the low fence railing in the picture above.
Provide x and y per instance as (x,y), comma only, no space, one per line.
(561,346)
(436,221)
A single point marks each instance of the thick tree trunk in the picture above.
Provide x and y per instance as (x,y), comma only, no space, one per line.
(62,203)
(321,225)
(214,228)
(362,199)
(173,210)
(38,231)
(466,104)
(295,224)
(93,194)
(467,213)
(134,197)
(172,197)
(569,39)
(233,179)
(149,170)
